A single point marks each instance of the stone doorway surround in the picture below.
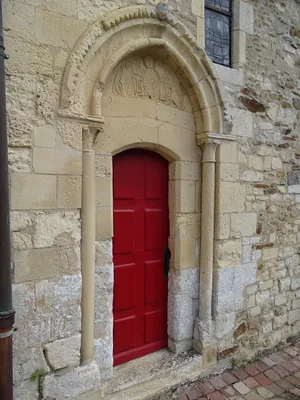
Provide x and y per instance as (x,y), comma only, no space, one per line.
(141,31)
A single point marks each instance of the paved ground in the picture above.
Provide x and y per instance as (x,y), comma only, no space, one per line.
(276,376)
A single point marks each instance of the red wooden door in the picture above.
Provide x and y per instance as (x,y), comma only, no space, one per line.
(141,228)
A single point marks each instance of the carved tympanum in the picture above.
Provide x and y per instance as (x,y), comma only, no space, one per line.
(148,77)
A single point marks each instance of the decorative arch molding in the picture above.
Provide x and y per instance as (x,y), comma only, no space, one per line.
(124,31)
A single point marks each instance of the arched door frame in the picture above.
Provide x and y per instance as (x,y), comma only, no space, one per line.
(96,54)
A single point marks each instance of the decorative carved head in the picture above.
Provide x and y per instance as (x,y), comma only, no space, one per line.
(162,10)
(149,62)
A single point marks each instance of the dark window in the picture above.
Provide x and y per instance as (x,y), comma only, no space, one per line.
(218,31)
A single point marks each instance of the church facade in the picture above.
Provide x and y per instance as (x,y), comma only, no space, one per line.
(155,190)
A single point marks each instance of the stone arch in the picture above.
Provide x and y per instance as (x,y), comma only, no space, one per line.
(125,31)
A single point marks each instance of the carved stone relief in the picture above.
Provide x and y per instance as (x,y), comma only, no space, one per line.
(148,77)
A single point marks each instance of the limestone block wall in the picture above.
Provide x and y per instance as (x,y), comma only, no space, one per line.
(256,285)
(46,166)
(257,241)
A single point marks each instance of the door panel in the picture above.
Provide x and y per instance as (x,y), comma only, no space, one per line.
(155,235)
(141,229)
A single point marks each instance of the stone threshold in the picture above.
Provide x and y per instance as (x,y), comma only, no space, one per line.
(149,376)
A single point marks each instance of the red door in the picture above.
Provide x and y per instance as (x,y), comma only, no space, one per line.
(141,228)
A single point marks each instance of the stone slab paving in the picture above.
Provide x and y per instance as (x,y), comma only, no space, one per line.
(276,376)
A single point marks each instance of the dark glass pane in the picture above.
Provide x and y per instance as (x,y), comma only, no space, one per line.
(217,37)
(222,5)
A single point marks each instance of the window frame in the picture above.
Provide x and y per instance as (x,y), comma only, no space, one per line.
(228,14)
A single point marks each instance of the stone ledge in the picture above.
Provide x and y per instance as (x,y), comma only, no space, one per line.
(230,75)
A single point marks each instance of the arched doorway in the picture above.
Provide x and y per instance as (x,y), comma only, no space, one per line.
(115,97)
(141,230)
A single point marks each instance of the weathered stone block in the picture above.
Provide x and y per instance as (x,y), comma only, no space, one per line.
(185,281)
(293,316)
(231,197)
(70,133)
(228,253)
(183,253)
(182,196)
(294,189)
(228,172)
(120,107)
(19,20)
(296,304)
(44,136)
(103,192)
(104,357)
(33,191)
(27,361)
(269,253)
(266,285)
(229,75)
(103,300)
(209,356)
(23,301)
(103,166)
(174,116)
(59,162)
(19,160)
(47,99)
(244,224)
(40,60)
(227,152)
(185,226)
(179,140)
(56,228)
(231,283)
(57,312)
(104,223)
(256,162)
(21,241)
(103,253)
(252,176)
(263,298)
(224,324)
(20,220)
(36,264)
(242,123)
(243,17)
(55,30)
(67,8)
(69,191)
(63,353)
(72,383)
(222,226)
(185,170)
(276,163)
(26,390)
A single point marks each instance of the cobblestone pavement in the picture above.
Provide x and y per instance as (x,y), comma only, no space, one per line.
(276,376)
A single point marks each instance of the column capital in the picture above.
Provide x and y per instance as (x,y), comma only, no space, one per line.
(203,138)
(209,144)
(89,136)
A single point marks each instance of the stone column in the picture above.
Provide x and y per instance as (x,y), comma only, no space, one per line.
(209,147)
(203,329)
(88,211)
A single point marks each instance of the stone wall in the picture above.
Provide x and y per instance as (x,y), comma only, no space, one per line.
(257,302)
(257,276)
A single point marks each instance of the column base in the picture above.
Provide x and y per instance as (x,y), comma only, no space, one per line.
(205,343)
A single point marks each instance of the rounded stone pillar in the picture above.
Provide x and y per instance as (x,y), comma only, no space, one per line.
(88,233)
(204,332)
(209,147)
